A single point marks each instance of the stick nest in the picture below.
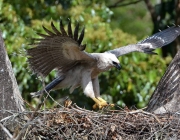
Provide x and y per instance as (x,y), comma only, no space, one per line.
(77,123)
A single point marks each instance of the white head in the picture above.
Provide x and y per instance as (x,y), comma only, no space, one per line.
(109,60)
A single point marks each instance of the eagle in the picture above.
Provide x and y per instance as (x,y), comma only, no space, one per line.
(64,52)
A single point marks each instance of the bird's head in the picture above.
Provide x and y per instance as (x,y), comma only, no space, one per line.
(111,60)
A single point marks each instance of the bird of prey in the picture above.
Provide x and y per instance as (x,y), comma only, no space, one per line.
(62,50)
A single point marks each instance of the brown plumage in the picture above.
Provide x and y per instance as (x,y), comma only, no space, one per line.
(54,50)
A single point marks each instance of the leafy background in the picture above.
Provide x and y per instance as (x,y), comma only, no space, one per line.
(107,27)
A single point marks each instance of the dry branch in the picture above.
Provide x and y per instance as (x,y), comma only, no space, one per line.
(81,124)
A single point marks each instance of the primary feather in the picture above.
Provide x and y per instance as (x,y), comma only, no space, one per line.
(162,38)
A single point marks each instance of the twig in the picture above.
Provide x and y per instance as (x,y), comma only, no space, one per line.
(26,132)
(6,118)
(108,119)
(125,4)
(38,107)
(147,113)
(6,131)
(79,123)
(53,99)
(84,110)
(158,131)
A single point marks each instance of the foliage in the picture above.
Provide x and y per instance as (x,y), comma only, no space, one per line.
(133,85)
(138,28)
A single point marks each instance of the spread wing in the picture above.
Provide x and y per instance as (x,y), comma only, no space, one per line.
(58,49)
(149,44)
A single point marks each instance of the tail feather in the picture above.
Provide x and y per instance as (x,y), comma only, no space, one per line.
(49,87)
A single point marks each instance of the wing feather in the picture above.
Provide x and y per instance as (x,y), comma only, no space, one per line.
(62,29)
(48,31)
(76,30)
(57,50)
(54,29)
(81,36)
(43,35)
(151,43)
(70,29)
(163,38)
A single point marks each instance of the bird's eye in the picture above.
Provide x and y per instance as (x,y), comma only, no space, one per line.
(114,63)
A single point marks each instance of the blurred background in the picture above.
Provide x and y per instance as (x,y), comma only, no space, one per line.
(109,24)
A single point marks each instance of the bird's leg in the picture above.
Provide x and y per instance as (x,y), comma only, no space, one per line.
(100,103)
(102,100)
(91,89)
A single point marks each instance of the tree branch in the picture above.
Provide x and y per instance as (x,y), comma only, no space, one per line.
(6,131)
(151,10)
(115,5)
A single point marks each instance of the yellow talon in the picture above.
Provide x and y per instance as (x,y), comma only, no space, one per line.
(100,103)
(67,103)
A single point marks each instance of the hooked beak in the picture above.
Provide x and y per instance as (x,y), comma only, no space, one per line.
(118,66)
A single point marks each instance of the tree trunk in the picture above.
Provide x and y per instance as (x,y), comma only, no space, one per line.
(10,97)
(166,97)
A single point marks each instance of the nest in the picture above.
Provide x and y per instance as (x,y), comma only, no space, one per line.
(73,122)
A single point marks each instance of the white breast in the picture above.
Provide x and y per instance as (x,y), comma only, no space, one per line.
(72,79)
